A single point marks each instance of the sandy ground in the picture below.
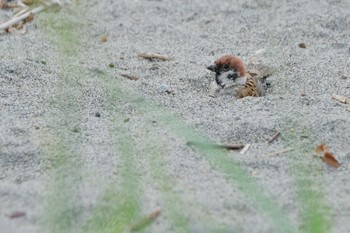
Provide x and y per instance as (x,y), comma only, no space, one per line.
(83,149)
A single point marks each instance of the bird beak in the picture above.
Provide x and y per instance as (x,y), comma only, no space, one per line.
(213,67)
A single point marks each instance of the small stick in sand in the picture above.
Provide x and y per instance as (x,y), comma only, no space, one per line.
(145,221)
(17,214)
(278,152)
(232,146)
(274,136)
(154,56)
(227,146)
(340,98)
(128,76)
(245,149)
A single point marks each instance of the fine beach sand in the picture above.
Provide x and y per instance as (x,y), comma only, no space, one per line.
(77,138)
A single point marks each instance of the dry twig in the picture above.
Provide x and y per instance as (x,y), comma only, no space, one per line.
(278,152)
(129,76)
(154,56)
(245,149)
(26,13)
(215,146)
(274,136)
(19,18)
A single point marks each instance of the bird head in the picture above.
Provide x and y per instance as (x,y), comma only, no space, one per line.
(227,68)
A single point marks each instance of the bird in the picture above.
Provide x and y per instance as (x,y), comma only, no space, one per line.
(232,77)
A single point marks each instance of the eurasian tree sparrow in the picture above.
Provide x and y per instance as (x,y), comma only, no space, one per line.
(232,78)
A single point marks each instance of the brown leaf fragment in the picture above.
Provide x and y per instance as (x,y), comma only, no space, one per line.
(321,148)
(145,221)
(128,76)
(340,98)
(329,159)
(302,45)
(154,56)
(17,214)
(326,156)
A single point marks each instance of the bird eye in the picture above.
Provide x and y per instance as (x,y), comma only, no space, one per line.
(226,67)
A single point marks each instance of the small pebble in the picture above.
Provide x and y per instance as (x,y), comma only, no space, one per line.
(97,114)
(103,38)
(302,45)
(75,130)
(163,87)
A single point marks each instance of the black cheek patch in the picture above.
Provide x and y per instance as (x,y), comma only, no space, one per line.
(232,76)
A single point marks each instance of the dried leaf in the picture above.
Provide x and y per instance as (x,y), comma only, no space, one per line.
(274,136)
(327,156)
(329,159)
(321,148)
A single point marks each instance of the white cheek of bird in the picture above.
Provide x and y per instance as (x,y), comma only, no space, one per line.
(224,79)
